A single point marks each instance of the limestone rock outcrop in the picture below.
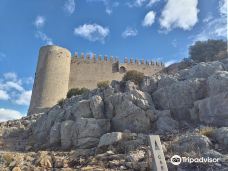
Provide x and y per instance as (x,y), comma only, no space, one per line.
(213,110)
(221,135)
(179,97)
(108,128)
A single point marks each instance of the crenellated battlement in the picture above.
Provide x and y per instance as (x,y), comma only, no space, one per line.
(94,58)
(99,58)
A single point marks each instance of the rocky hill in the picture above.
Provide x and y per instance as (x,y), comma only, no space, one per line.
(107,129)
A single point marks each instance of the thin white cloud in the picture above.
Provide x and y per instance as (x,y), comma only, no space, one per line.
(4,95)
(69,6)
(109,5)
(9,114)
(39,24)
(2,56)
(208,18)
(140,3)
(214,28)
(24,98)
(39,21)
(149,19)
(179,14)
(129,32)
(10,76)
(13,85)
(223,7)
(152,2)
(11,89)
(92,32)
(45,38)
(168,63)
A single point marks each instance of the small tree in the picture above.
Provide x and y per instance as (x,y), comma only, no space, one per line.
(133,75)
(211,50)
(84,90)
(103,84)
(76,91)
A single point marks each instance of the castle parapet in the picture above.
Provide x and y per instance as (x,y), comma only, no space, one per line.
(131,61)
(125,60)
(111,58)
(88,57)
(137,61)
(105,58)
(99,57)
(93,58)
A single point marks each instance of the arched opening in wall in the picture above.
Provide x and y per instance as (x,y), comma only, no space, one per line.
(115,67)
(122,69)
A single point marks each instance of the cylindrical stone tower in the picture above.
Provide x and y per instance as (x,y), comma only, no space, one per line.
(51,78)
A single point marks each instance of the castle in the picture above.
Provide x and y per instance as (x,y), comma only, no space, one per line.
(57,72)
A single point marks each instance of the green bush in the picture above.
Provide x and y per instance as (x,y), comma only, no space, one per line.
(135,76)
(76,91)
(210,50)
(103,84)
(61,102)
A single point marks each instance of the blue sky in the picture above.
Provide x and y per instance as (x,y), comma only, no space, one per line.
(142,29)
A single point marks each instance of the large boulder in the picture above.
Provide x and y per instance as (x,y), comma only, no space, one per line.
(128,116)
(149,84)
(81,109)
(127,110)
(165,123)
(97,107)
(174,68)
(110,138)
(191,143)
(225,63)
(87,131)
(218,82)
(221,135)
(201,70)
(179,97)
(167,80)
(55,133)
(43,125)
(213,110)
(141,99)
(66,133)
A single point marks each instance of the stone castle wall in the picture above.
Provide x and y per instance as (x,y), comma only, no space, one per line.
(88,71)
(57,72)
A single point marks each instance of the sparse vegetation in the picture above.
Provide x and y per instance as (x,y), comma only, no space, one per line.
(61,102)
(76,91)
(211,50)
(207,131)
(103,84)
(133,75)
(8,158)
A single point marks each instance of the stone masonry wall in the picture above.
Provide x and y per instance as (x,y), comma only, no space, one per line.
(51,78)
(87,72)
